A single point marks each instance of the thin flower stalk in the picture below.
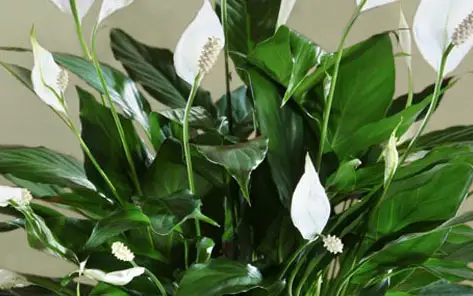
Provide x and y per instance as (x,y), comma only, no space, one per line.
(80,33)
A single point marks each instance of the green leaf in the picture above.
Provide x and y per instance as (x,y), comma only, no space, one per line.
(106,289)
(444,289)
(22,74)
(43,165)
(449,270)
(239,160)
(345,176)
(102,138)
(41,237)
(364,91)
(166,213)
(205,247)
(420,199)
(168,173)
(29,284)
(287,57)
(154,69)
(123,91)
(249,22)
(117,222)
(36,189)
(242,112)
(406,251)
(11,225)
(448,136)
(198,118)
(283,128)
(219,277)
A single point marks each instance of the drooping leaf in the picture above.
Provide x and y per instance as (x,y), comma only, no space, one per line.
(43,165)
(153,68)
(239,160)
(28,284)
(123,91)
(219,277)
(22,74)
(102,138)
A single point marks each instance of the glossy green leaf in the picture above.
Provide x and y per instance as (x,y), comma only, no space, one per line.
(219,277)
(445,289)
(420,199)
(43,165)
(22,74)
(166,213)
(239,160)
(242,111)
(102,138)
(106,289)
(448,136)
(153,68)
(15,283)
(449,270)
(198,118)
(283,127)
(11,225)
(287,57)
(205,247)
(249,22)
(41,237)
(123,91)
(345,176)
(116,223)
(36,189)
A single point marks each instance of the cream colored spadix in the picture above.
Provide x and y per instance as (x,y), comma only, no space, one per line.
(49,80)
(310,207)
(435,25)
(200,45)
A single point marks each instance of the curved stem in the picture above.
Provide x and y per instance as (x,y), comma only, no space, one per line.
(156,281)
(223,12)
(329,101)
(410,95)
(80,34)
(186,136)
(116,118)
(433,104)
(291,279)
(293,258)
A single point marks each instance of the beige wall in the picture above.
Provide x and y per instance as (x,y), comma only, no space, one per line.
(25,120)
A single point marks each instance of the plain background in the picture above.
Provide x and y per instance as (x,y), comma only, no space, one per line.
(25,120)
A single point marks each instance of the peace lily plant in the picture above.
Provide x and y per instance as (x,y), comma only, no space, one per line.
(305,180)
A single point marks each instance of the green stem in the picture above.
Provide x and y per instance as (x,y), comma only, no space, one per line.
(319,286)
(433,103)
(223,10)
(186,136)
(329,101)
(116,118)
(78,288)
(293,258)
(410,95)
(290,281)
(80,34)
(312,265)
(156,281)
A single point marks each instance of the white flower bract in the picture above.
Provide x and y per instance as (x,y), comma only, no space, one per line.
(333,244)
(13,195)
(121,252)
(310,207)
(49,80)
(435,24)
(117,278)
(83,6)
(374,3)
(109,7)
(200,44)
(285,11)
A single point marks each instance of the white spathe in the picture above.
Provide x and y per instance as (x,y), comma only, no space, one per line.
(117,278)
(47,77)
(109,7)
(83,6)
(285,11)
(405,40)
(19,196)
(310,207)
(391,158)
(434,24)
(191,45)
(373,3)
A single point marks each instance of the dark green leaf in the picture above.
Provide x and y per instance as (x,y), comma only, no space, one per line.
(102,138)
(444,289)
(448,136)
(11,225)
(239,160)
(449,270)
(242,112)
(345,176)
(123,91)
(22,74)
(198,118)
(29,285)
(105,289)
(421,199)
(205,247)
(36,189)
(153,68)
(43,165)
(166,213)
(219,277)
(283,127)
(116,223)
